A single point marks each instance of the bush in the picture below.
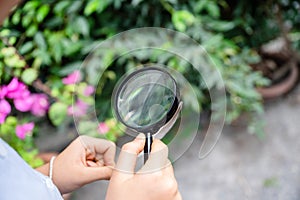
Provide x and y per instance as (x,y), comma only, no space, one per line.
(44,42)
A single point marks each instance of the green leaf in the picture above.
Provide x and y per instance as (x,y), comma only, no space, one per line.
(60,6)
(10,120)
(31,30)
(200,6)
(29,75)
(31,5)
(57,52)
(40,40)
(17,72)
(54,22)
(182,19)
(57,113)
(8,52)
(213,9)
(26,47)
(16,17)
(91,7)
(14,61)
(74,7)
(72,47)
(42,12)
(1,71)
(82,26)
(96,6)
(221,25)
(26,20)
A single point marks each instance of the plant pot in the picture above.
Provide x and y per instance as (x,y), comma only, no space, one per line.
(282,87)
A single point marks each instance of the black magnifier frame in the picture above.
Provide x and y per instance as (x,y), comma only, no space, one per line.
(151,129)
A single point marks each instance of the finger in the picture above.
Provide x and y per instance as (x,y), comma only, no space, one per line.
(158,158)
(97,173)
(90,163)
(98,147)
(109,155)
(129,153)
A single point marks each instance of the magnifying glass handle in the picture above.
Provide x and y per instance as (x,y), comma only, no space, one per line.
(147,148)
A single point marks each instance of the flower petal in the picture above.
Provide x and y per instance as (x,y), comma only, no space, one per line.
(40,104)
(23,104)
(3,91)
(88,90)
(103,128)
(5,107)
(72,78)
(24,129)
(13,84)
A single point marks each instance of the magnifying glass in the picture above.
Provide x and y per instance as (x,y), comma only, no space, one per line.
(147,101)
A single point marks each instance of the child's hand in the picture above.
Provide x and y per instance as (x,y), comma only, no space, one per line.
(154,181)
(85,160)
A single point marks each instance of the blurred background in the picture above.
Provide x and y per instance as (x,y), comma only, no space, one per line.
(253,44)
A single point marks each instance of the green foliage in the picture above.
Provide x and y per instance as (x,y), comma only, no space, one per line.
(259,22)
(181,19)
(54,37)
(58,112)
(23,147)
(29,75)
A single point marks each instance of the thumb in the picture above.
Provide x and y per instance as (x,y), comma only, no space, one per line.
(158,158)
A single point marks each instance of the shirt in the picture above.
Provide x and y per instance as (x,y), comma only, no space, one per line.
(19,181)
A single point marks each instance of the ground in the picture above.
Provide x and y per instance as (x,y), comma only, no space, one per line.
(241,166)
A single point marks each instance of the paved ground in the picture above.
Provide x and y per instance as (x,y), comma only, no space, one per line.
(241,166)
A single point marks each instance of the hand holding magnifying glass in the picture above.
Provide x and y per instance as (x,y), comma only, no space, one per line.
(147,101)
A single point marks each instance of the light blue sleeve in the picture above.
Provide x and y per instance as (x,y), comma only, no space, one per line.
(18,181)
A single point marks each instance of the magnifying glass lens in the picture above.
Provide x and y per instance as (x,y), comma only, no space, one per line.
(146,105)
(146,99)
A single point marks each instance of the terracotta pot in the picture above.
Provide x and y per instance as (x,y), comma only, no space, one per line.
(282,87)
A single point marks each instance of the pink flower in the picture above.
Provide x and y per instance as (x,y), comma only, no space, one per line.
(13,85)
(40,104)
(3,92)
(75,77)
(103,128)
(5,109)
(23,104)
(24,129)
(16,89)
(79,109)
(88,90)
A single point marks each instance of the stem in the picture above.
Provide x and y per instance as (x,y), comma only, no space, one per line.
(39,85)
(167,6)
